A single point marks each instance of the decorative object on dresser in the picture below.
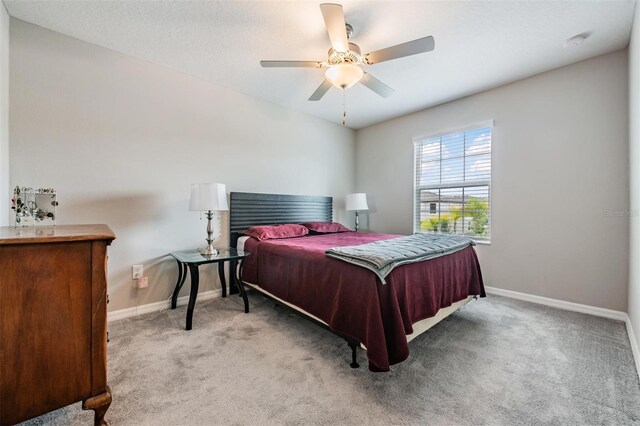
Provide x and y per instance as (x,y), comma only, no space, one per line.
(53,320)
(34,207)
(208,197)
(357,202)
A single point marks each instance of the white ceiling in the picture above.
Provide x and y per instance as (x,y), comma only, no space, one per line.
(479,44)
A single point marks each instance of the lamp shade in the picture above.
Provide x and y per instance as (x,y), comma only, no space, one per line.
(344,76)
(208,196)
(357,201)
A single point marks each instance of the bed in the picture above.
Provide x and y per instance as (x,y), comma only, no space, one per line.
(346,299)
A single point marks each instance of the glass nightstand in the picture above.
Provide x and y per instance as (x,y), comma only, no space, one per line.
(192,259)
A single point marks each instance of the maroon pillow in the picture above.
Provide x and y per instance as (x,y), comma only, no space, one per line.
(326,227)
(289,230)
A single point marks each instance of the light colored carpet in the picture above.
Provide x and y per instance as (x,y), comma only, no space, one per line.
(495,362)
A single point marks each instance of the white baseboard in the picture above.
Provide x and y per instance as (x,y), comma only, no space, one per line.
(634,344)
(560,304)
(159,306)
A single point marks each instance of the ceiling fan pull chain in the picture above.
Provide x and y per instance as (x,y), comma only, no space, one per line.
(344,106)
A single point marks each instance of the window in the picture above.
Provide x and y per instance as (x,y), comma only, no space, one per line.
(453,183)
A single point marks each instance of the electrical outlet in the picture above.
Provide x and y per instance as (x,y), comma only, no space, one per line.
(137,271)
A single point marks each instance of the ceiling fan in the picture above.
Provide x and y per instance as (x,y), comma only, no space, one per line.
(345,60)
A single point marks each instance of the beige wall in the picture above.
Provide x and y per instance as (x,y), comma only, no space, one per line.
(4,117)
(122,140)
(559,165)
(634,175)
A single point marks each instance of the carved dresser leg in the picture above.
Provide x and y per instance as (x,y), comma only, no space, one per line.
(99,404)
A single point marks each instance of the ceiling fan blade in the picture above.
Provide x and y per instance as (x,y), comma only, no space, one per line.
(274,64)
(376,85)
(321,90)
(421,45)
(336,27)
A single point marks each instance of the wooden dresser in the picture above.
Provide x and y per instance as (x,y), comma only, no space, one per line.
(53,320)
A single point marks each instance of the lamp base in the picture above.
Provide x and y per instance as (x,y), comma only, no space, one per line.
(209,251)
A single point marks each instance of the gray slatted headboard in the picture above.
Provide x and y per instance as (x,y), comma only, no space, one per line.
(252,209)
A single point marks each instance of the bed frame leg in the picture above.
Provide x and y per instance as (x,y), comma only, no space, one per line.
(354,346)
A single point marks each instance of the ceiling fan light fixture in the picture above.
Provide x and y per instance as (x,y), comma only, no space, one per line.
(344,76)
(344,60)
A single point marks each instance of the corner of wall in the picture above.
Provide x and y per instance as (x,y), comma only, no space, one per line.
(634,184)
(4,116)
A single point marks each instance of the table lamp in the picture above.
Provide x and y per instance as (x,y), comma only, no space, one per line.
(208,197)
(357,202)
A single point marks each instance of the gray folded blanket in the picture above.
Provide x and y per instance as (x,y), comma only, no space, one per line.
(382,257)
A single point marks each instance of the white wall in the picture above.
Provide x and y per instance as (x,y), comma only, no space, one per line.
(5,193)
(634,174)
(122,140)
(559,164)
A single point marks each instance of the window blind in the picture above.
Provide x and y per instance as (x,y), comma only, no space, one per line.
(453,183)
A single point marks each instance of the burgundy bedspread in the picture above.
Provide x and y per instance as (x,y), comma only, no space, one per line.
(351,299)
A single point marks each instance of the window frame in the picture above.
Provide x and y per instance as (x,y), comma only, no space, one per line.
(460,184)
